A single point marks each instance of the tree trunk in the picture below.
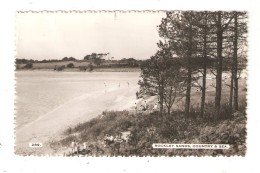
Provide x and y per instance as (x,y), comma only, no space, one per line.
(188,92)
(219,66)
(231,90)
(170,102)
(169,110)
(203,89)
(235,67)
(232,86)
(161,98)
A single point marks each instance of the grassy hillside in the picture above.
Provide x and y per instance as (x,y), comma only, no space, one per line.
(148,128)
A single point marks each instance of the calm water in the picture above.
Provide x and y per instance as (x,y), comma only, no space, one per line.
(39,92)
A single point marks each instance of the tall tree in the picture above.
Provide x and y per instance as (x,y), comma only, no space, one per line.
(234,53)
(221,25)
(219,63)
(203,25)
(189,66)
(153,73)
(175,80)
(178,28)
(234,75)
(239,43)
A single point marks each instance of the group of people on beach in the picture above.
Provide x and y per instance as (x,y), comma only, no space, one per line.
(76,148)
(118,139)
(145,107)
(119,85)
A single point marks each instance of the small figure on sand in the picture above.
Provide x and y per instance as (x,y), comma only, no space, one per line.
(105,87)
(77,148)
(128,84)
(108,139)
(119,85)
(135,107)
(111,138)
(73,146)
(155,107)
(145,105)
(85,147)
(142,108)
(137,95)
(118,139)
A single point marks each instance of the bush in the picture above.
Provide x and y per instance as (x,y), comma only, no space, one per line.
(60,68)
(70,65)
(90,66)
(82,68)
(28,65)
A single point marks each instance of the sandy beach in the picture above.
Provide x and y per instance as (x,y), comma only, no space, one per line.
(50,126)
(78,110)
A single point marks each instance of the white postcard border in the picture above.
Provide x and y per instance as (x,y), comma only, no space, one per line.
(12,163)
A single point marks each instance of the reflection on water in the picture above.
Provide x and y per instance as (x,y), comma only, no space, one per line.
(39,92)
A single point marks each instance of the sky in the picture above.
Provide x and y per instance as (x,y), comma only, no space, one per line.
(56,35)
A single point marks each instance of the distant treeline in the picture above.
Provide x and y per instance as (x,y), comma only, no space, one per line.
(97,60)
(25,61)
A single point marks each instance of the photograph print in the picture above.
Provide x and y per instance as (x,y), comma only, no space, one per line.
(131,83)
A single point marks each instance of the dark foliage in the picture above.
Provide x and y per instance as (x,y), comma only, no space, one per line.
(70,65)
(28,66)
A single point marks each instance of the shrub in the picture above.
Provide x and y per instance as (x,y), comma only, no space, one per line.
(82,68)
(59,68)
(70,65)
(28,65)
(90,66)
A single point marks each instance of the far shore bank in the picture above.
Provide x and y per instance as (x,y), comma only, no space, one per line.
(94,70)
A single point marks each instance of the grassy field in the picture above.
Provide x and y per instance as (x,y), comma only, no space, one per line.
(104,67)
(51,65)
